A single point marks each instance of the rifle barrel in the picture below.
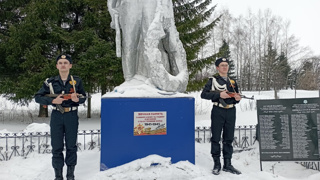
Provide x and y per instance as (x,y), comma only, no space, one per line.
(243,96)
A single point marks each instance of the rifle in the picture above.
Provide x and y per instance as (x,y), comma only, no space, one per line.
(232,94)
(66,96)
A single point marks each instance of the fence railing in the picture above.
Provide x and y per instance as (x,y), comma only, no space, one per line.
(244,136)
(24,143)
(311,165)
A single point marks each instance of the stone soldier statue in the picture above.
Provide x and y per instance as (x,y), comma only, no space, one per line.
(150,44)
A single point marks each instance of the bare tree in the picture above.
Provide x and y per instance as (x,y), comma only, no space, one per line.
(250,38)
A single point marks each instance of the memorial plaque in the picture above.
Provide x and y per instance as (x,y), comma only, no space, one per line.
(150,123)
(289,129)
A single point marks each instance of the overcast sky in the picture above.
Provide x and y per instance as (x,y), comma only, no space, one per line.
(304,16)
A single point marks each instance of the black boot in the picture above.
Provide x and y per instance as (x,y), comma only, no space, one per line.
(229,168)
(70,172)
(58,174)
(217,166)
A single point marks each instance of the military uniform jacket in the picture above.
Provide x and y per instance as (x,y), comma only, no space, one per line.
(59,88)
(216,84)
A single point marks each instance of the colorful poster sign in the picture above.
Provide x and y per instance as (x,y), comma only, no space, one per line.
(150,123)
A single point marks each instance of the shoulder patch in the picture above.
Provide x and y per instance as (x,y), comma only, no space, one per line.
(56,78)
(51,78)
(48,80)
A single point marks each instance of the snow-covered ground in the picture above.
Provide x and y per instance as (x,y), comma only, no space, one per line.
(14,118)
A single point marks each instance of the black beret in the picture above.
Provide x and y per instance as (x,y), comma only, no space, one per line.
(220,60)
(62,56)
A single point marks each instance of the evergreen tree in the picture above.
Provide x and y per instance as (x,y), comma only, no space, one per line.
(231,72)
(190,16)
(224,50)
(307,75)
(292,78)
(80,28)
(24,51)
(95,48)
(281,72)
(268,63)
(10,13)
(275,70)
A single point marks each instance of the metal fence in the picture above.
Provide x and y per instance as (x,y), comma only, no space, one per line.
(244,136)
(311,165)
(24,143)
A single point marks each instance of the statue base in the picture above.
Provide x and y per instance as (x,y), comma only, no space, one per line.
(133,128)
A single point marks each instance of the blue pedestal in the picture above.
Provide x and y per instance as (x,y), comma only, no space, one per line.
(119,143)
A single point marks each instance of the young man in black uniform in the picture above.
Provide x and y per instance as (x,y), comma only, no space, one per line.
(64,117)
(223,114)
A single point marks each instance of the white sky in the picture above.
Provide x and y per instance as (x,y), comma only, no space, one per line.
(304,16)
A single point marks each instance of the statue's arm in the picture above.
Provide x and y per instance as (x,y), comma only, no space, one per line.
(111,7)
(115,24)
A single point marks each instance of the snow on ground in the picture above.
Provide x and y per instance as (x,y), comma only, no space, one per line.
(14,118)
(38,167)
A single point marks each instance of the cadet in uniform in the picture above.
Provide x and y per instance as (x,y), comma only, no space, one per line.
(64,117)
(223,114)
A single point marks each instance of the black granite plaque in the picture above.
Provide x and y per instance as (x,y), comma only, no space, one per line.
(289,129)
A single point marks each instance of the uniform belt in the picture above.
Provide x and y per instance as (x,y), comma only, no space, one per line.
(67,109)
(220,105)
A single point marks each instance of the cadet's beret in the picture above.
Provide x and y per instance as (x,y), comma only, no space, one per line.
(220,60)
(62,56)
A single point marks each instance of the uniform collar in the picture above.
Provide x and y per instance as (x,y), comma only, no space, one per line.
(58,78)
(217,75)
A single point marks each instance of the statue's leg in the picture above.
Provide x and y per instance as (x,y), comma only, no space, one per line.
(162,75)
(130,22)
(145,17)
(149,11)
(148,14)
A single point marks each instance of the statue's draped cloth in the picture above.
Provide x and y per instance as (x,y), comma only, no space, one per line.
(149,43)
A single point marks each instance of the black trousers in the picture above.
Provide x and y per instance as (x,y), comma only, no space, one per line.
(64,128)
(222,120)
